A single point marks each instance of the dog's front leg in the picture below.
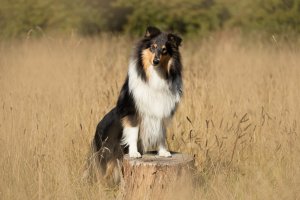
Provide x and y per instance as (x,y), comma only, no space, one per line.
(130,138)
(163,152)
(162,148)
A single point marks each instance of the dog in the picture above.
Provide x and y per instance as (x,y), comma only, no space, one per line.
(148,99)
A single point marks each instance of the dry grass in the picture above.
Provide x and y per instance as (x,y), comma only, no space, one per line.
(239,116)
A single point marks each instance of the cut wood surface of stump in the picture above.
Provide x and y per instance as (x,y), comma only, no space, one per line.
(154,177)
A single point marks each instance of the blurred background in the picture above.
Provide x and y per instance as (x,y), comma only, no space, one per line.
(63,62)
(189,17)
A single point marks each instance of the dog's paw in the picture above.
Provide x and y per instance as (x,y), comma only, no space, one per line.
(164,153)
(135,154)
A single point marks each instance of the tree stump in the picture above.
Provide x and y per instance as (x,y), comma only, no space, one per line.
(154,177)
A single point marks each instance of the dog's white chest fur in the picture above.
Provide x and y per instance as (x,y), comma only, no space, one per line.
(155,97)
(155,101)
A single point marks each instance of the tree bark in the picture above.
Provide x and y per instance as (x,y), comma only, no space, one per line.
(154,177)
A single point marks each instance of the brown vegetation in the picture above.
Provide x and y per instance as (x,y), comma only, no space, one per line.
(239,115)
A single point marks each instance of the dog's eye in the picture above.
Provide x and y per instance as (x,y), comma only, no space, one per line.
(164,51)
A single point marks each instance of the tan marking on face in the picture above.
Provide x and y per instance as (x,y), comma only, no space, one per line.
(155,45)
(147,57)
(166,61)
(130,121)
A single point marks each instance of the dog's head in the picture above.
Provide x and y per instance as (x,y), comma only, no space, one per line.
(160,46)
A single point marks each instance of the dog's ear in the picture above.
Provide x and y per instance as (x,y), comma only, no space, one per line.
(174,39)
(152,32)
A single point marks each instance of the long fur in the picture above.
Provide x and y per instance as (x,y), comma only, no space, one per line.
(148,99)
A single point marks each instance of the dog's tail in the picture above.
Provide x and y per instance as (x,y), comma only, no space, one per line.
(100,169)
(101,166)
(92,171)
(106,151)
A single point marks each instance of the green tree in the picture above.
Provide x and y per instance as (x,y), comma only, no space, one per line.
(20,16)
(190,16)
(273,16)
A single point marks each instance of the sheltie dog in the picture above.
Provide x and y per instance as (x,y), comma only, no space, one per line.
(147,101)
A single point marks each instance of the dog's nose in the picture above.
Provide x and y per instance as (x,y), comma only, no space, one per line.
(155,61)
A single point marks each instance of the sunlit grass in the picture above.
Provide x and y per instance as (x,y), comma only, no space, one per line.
(239,115)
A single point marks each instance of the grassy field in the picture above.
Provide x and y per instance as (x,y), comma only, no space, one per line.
(239,115)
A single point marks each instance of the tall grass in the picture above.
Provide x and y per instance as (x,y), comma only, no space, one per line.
(239,115)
